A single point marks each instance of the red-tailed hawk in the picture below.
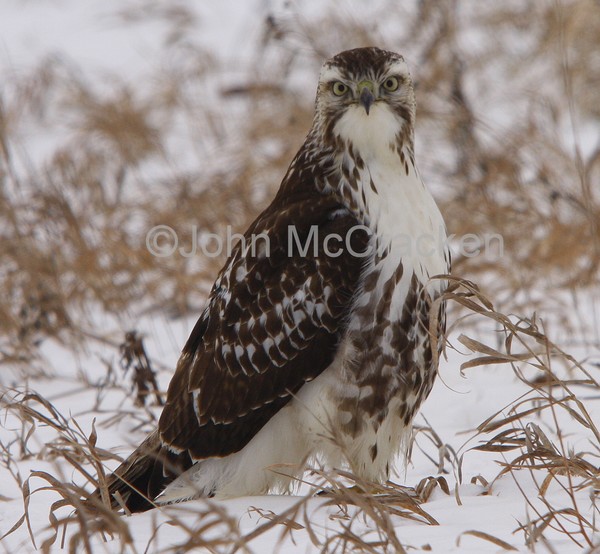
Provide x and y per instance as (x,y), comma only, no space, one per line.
(314,343)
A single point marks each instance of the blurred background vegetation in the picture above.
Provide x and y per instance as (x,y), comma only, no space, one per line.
(507,139)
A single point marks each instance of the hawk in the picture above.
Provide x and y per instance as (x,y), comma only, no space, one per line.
(315,343)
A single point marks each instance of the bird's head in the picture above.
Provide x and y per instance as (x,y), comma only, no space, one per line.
(365,95)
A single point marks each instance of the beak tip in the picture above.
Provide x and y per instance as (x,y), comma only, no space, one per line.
(366,99)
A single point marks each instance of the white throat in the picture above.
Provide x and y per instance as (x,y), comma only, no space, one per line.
(372,135)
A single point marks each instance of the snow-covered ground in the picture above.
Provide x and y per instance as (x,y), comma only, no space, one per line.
(110,48)
(455,408)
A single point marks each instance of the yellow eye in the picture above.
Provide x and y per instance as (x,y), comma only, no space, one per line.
(339,88)
(391,84)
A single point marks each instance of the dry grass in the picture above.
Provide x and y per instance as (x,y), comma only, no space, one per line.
(527,347)
(73,239)
(367,521)
(75,224)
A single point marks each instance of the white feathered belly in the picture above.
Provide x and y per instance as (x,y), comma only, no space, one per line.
(384,368)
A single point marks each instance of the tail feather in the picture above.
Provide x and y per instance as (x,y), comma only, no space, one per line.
(140,478)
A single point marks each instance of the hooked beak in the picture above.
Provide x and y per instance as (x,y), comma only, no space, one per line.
(366,95)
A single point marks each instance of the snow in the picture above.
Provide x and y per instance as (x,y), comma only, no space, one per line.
(457,405)
(108,48)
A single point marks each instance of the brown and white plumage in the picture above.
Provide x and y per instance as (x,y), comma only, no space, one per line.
(322,354)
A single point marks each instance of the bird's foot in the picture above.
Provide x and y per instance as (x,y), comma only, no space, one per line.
(370,489)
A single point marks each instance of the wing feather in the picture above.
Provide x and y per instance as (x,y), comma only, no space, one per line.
(272,323)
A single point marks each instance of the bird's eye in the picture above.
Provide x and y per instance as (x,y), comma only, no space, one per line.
(391,84)
(339,88)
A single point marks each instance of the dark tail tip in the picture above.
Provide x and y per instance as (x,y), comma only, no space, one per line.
(133,486)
